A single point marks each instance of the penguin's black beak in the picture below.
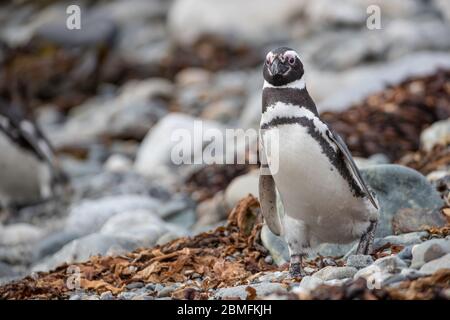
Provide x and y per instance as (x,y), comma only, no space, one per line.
(278,68)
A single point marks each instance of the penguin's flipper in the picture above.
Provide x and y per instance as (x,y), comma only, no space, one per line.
(351,164)
(268,201)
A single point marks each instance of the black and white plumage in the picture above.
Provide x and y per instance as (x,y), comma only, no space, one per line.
(29,171)
(323,194)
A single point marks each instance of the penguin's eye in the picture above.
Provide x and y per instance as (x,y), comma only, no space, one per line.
(291,60)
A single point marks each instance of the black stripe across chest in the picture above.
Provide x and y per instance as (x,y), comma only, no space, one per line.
(296,97)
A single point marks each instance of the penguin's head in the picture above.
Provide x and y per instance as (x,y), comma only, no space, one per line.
(282,66)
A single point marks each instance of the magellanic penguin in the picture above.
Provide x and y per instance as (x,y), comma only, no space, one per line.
(29,171)
(323,194)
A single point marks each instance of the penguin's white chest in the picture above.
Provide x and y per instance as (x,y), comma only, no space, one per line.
(23,177)
(311,189)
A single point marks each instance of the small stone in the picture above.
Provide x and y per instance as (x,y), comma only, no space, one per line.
(134,285)
(391,264)
(309,270)
(404,239)
(107,295)
(329,262)
(437,134)
(276,276)
(75,297)
(436,264)
(412,274)
(331,273)
(118,163)
(158,287)
(126,295)
(337,282)
(150,286)
(166,292)
(394,279)
(309,283)
(262,289)
(268,259)
(429,250)
(406,253)
(359,261)
(192,76)
(381,269)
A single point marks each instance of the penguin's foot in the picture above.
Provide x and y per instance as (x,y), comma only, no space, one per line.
(365,245)
(295,267)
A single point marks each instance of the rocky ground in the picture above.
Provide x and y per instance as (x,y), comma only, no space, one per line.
(136,226)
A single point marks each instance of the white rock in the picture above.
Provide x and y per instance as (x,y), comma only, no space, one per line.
(332,273)
(141,226)
(241,186)
(162,148)
(90,215)
(247,22)
(19,233)
(262,289)
(193,76)
(309,283)
(118,163)
(437,133)
(381,270)
(131,113)
(428,251)
(436,175)
(81,249)
(437,264)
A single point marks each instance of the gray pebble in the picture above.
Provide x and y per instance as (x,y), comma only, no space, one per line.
(406,253)
(127,295)
(359,261)
(150,286)
(309,283)
(134,285)
(158,287)
(394,279)
(166,292)
(330,273)
(107,295)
